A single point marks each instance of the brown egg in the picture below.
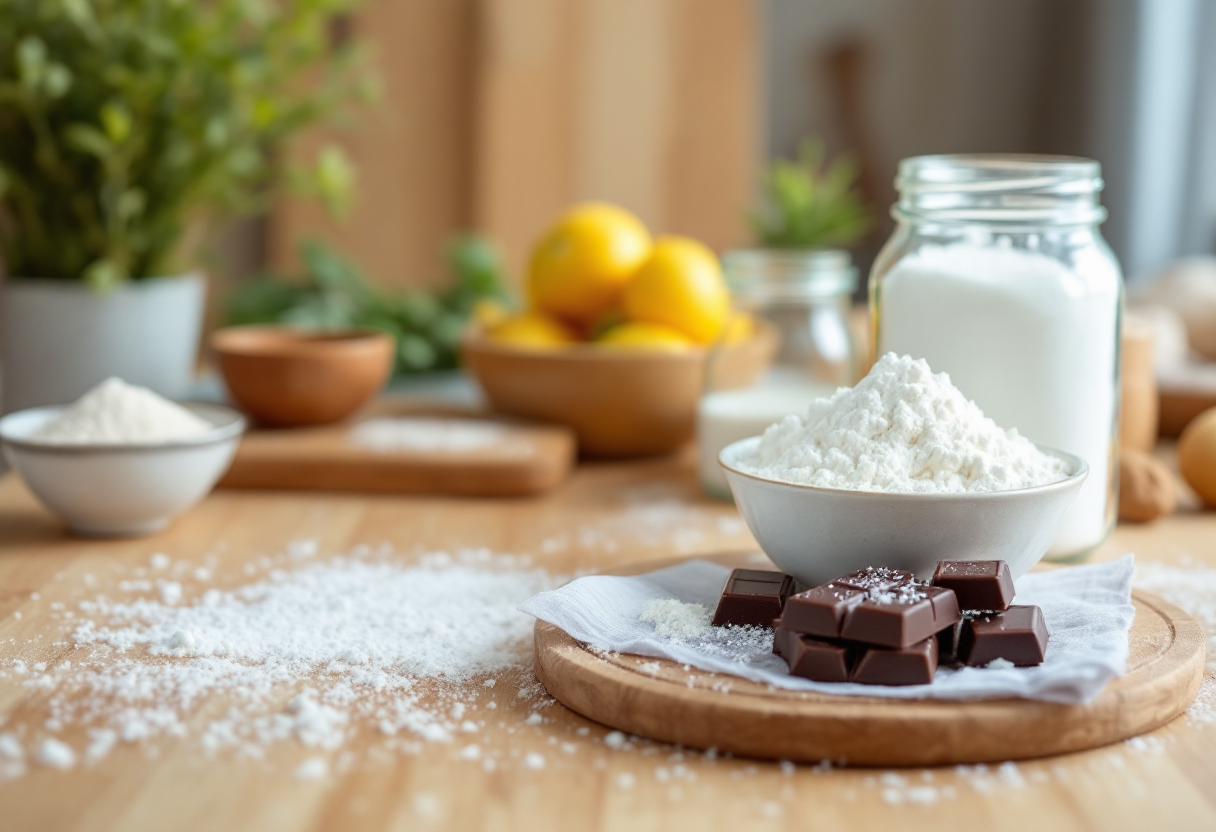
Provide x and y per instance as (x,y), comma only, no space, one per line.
(1197,455)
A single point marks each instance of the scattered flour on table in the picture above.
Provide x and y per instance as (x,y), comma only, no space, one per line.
(438,435)
(117,413)
(901,429)
(312,652)
(676,520)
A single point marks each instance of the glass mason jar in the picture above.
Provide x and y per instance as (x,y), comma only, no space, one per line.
(803,298)
(998,275)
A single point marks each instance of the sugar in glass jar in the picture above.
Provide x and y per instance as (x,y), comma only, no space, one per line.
(997,274)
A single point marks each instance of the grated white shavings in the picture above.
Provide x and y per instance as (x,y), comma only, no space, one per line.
(314,768)
(901,429)
(55,753)
(438,435)
(310,655)
(675,619)
(117,413)
(693,624)
(10,748)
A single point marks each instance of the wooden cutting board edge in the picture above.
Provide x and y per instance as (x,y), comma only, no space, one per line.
(873,732)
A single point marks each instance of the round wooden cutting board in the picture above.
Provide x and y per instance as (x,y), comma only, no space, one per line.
(705,710)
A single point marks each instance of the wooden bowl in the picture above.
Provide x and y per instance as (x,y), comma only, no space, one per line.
(285,376)
(619,403)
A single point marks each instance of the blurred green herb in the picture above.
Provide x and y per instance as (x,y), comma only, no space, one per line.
(127,125)
(807,204)
(332,293)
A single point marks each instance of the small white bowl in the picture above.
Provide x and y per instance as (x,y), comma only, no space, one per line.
(120,490)
(818,534)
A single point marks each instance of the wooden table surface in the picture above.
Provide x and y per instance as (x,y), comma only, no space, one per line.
(605,516)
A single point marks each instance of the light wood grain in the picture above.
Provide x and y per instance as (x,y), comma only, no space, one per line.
(412,147)
(666,701)
(653,104)
(595,518)
(530,459)
(498,114)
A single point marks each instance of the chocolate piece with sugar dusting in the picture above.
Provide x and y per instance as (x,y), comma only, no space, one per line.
(902,616)
(820,611)
(874,579)
(979,584)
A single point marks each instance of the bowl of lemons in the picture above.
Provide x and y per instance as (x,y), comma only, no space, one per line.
(615,338)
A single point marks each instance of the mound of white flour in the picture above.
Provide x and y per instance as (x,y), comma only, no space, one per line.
(117,413)
(901,429)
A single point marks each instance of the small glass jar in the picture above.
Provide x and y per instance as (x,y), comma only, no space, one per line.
(804,298)
(998,275)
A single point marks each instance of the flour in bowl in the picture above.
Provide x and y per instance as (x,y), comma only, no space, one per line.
(902,429)
(117,413)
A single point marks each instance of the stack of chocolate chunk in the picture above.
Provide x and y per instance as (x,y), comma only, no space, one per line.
(991,629)
(879,626)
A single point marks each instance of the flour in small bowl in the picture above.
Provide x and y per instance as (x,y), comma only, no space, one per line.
(902,429)
(117,413)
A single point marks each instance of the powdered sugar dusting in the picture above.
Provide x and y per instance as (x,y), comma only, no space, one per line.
(311,654)
(438,435)
(692,624)
(115,412)
(675,619)
(901,429)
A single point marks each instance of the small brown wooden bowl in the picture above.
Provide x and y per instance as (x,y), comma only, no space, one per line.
(285,376)
(619,403)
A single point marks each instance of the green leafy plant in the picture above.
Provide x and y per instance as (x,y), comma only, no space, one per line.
(809,204)
(126,126)
(333,294)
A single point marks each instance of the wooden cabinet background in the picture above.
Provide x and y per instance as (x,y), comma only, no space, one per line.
(496,114)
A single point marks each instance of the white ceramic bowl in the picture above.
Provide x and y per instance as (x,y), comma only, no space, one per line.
(120,490)
(818,534)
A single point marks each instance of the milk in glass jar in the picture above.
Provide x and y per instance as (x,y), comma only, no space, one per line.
(998,275)
(803,296)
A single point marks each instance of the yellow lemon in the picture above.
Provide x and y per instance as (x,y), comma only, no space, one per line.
(739,328)
(580,267)
(1197,455)
(488,313)
(681,286)
(643,336)
(531,330)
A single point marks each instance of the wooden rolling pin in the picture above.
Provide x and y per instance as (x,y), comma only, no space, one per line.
(1138,429)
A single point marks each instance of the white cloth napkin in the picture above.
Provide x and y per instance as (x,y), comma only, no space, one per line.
(1087,609)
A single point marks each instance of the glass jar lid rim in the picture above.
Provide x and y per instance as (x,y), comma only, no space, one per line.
(959,168)
(777,272)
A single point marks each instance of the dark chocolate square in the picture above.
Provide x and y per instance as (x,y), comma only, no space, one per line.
(947,643)
(753,597)
(874,578)
(820,611)
(902,616)
(1018,635)
(815,659)
(915,664)
(979,584)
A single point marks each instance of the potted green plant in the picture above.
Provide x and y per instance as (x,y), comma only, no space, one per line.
(128,128)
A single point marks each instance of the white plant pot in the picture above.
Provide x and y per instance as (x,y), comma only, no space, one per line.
(58,338)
